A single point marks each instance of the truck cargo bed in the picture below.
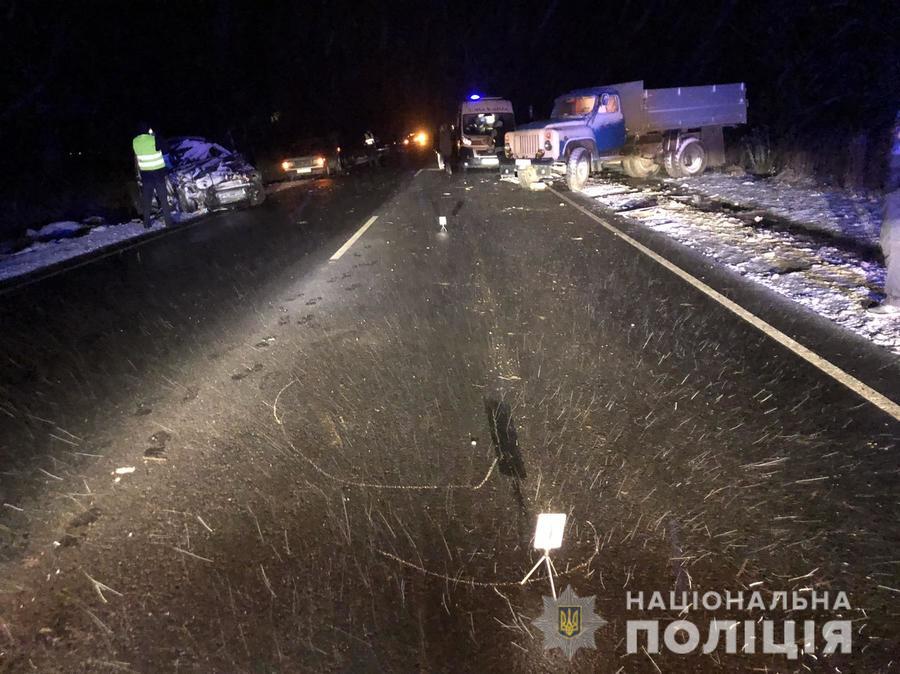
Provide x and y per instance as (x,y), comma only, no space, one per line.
(650,110)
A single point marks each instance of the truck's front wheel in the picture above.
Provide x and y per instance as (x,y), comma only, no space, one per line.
(578,169)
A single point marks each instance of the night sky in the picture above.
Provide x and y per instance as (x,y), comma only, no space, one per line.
(79,76)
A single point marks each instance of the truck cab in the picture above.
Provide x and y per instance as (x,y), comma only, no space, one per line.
(482,125)
(590,118)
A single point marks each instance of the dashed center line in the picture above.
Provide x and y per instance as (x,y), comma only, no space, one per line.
(867,392)
(359,232)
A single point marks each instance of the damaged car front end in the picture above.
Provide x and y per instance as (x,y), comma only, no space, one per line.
(208,176)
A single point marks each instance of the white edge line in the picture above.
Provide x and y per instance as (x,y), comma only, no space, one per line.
(359,232)
(881,401)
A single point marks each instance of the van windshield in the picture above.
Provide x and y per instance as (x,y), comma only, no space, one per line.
(487,123)
(573,106)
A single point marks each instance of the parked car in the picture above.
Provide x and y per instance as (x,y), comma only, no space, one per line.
(312,157)
(206,175)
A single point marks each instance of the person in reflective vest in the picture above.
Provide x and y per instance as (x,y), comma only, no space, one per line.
(151,166)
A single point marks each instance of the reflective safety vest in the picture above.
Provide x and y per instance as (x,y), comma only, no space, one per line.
(148,157)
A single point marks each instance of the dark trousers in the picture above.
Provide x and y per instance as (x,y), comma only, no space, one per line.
(154,183)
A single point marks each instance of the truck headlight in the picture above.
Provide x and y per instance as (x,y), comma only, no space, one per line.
(548,145)
(507,150)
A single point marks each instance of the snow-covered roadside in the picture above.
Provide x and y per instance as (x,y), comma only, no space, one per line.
(42,254)
(801,202)
(834,282)
(68,240)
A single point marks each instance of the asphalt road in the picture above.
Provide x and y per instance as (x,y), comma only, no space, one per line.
(338,464)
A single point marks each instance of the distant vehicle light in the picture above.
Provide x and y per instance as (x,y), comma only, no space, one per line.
(474,97)
(285,166)
(338,149)
(421,138)
(406,141)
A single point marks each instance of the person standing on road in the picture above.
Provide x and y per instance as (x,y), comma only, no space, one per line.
(445,148)
(151,166)
(371,148)
(890,230)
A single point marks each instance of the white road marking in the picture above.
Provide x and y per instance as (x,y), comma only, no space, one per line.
(359,232)
(882,402)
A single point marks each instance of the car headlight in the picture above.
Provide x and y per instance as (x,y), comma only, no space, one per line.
(320,161)
(466,141)
(285,166)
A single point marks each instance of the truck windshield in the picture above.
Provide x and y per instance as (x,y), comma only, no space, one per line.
(573,106)
(487,123)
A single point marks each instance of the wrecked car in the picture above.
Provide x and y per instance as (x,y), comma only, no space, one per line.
(208,176)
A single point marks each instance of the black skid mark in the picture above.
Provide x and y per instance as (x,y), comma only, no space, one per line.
(504,438)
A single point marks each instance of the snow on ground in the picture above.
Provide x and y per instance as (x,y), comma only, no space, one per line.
(57,230)
(42,254)
(58,242)
(803,203)
(812,270)
(66,240)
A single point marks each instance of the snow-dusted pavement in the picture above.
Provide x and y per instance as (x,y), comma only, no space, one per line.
(231,454)
(815,268)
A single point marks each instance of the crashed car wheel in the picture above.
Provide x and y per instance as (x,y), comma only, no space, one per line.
(578,169)
(257,194)
(186,204)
